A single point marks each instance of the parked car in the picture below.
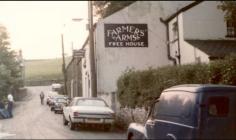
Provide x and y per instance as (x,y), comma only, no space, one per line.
(88,111)
(57,87)
(54,100)
(59,104)
(190,112)
(50,96)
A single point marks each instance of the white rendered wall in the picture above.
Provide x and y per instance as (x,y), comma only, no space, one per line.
(204,21)
(112,62)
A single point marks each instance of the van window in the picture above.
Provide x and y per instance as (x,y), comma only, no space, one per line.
(218,106)
(175,104)
(155,110)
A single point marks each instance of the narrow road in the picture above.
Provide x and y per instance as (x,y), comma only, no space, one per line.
(35,121)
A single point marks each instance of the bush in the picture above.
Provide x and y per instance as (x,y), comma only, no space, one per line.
(139,88)
(229,70)
(10,71)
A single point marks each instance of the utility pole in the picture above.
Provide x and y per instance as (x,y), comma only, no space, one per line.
(72,46)
(92,56)
(63,65)
(22,66)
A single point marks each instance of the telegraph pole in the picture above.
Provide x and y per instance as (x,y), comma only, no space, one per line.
(92,56)
(63,65)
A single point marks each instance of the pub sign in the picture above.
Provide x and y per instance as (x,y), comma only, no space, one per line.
(126,35)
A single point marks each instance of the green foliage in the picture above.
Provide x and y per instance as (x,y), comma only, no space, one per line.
(229,7)
(9,65)
(106,8)
(45,69)
(229,70)
(216,72)
(140,88)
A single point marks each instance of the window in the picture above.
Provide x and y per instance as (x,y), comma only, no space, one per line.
(87,102)
(61,100)
(231,28)
(175,104)
(218,106)
(175,30)
(155,110)
(198,59)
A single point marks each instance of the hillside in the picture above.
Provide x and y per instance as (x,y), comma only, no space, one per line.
(45,69)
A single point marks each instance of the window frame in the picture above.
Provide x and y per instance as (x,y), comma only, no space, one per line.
(230,29)
(152,109)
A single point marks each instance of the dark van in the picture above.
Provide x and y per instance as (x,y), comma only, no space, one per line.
(190,112)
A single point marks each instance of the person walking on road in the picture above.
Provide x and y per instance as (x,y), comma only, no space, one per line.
(10,104)
(42,97)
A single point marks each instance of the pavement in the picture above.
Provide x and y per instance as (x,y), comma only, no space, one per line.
(35,121)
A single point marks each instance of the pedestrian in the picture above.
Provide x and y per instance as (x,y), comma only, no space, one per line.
(10,104)
(3,112)
(42,97)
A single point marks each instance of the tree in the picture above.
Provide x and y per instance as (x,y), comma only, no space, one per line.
(229,7)
(9,65)
(106,8)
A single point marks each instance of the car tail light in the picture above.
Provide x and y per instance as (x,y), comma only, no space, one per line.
(76,114)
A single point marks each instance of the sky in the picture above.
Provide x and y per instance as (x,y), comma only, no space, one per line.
(35,27)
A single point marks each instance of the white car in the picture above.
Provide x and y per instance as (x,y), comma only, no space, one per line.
(88,111)
(56,86)
(50,96)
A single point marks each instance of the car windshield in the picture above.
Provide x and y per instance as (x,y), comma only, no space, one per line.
(61,100)
(88,102)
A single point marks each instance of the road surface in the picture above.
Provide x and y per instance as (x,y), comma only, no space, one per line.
(33,121)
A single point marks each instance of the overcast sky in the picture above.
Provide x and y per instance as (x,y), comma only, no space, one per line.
(36,26)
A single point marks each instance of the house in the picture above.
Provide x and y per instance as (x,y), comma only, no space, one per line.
(154,34)
(200,34)
(74,74)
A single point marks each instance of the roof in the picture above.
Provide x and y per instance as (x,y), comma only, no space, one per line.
(183,9)
(215,48)
(196,88)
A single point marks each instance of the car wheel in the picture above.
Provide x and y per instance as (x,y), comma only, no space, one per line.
(55,112)
(71,125)
(130,136)
(65,122)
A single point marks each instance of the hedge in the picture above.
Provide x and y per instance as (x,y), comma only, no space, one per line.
(139,88)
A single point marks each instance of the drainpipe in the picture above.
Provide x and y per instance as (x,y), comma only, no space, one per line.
(167,27)
(179,55)
(168,42)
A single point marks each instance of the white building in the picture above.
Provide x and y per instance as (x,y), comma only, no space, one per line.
(153,34)
(203,34)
